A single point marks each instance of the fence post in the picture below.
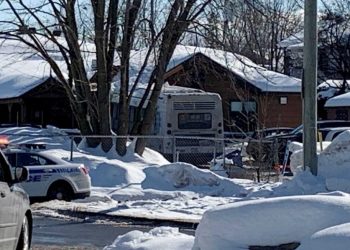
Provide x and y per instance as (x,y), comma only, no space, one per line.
(174,149)
(214,154)
(71,147)
(223,154)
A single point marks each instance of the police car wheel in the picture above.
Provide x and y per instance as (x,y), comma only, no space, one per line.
(24,238)
(60,192)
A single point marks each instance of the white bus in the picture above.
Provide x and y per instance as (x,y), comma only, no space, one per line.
(188,124)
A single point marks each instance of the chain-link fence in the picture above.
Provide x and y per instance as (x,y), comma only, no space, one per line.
(235,158)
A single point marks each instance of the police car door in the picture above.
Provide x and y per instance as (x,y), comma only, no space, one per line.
(40,173)
(8,210)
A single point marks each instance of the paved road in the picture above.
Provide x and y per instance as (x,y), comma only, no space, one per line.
(79,234)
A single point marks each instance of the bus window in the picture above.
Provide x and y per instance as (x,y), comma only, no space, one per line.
(194,121)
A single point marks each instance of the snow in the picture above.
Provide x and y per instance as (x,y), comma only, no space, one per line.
(335,238)
(329,88)
(263,79)
(232,213)
(18,78)
(156,239)
(269,222)
(293,40)
(339,101)
(22,69)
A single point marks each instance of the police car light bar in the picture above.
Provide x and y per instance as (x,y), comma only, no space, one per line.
(3,141)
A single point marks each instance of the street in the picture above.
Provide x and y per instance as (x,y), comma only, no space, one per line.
(54,234)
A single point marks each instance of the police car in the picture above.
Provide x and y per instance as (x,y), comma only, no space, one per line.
(50,177)
(15,215)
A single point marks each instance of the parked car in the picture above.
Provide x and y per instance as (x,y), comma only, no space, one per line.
(271,132)
(51,177)
(272,148)
(329,134)
(15,214)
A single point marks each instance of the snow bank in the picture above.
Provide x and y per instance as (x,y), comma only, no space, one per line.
(184,176)
(335,238)
(157,239)
(270,222)
(333,162)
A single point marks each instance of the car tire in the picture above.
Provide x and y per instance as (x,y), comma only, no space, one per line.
(24,238)
(60,191)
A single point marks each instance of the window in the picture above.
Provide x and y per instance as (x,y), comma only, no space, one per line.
(248,106)
(283,100)
(2,176)
(194,121)
(236,106)
(25,159)
(342,114)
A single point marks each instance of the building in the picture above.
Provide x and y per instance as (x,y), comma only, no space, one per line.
(338,107)
(252,96)
(30,95)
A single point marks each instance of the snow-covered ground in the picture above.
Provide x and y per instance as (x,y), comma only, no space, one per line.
(232,213)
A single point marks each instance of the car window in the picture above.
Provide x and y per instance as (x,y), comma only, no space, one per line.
(44,161)
(2,176)
(11,159)
(5,175)
(26,160)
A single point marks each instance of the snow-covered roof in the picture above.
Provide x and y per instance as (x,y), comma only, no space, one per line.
(296,39)
(339,101)
(263,79)
(329,88)
(22,68)
(18,78)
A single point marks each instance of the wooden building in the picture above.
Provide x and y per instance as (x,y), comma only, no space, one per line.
(338,107)
(256,98)
(43,103)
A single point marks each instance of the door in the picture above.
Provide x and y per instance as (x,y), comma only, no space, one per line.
(8,211)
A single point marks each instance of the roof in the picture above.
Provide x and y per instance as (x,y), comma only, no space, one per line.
(22,69)
(339,101)
(329,88)
(261,78)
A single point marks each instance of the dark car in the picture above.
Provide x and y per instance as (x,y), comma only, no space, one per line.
(263,133)
(15,213)
(272,148)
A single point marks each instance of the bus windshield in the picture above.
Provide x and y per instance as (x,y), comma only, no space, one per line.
(194,121)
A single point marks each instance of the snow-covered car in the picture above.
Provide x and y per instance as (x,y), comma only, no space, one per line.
(15,213)
(51,177)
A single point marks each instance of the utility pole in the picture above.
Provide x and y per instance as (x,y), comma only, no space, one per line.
(309,86)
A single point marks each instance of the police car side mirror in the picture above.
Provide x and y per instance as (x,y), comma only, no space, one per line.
(21,174)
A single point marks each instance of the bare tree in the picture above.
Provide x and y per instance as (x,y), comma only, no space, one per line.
(91,109)
(253,28)
(334,43)
(181,15)
(111,23)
